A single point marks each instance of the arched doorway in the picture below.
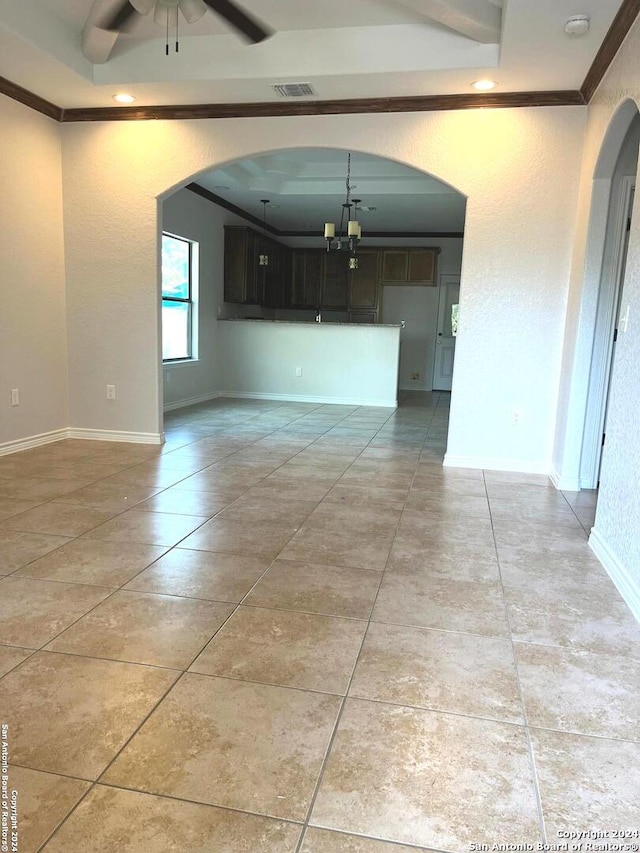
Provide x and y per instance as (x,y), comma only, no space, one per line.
(616,170)
(400,208)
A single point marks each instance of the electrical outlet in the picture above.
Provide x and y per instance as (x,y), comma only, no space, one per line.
(415,376)
(15,396)
(111,392)
(516,417)
(298,371)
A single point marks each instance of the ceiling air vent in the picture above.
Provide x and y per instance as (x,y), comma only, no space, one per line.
(293,90)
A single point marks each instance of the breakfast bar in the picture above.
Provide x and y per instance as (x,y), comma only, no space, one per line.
(348,363)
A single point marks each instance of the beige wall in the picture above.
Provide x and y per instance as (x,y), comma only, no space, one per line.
(518,168)
(188,215)
(617,527)
(528,176)
(33,341)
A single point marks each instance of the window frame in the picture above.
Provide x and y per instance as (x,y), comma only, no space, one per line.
(189,301)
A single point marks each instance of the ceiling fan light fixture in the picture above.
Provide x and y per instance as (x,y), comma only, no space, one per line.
(123,98)
(578,25)
(484,85)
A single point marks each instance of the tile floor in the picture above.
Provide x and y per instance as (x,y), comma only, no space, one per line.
(291,630)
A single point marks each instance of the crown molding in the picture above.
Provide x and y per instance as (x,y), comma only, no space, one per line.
(29,99)
(383,235)
(618,31)
(426,103)
(233,208)
(276,232)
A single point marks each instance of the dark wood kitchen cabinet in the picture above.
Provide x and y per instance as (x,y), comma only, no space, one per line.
(413,266)
(245,279)
(240,265)
(306,277)
(364,281)
(277,275)
(335,285)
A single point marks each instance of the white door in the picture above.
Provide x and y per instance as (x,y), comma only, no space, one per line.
(445,339)
(623,270)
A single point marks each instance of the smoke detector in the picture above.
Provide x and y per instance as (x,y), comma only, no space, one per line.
(578,25)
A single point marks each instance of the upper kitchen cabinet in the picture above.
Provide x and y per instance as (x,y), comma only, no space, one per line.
(248,281)
(307,278)
(277,275)
(416,266)
(422,265)
(335,287)
(363,281)
(395,265)
(240,265)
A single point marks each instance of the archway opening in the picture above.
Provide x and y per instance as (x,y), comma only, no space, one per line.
(275,206)
(614,184)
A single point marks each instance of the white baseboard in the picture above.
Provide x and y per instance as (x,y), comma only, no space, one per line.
(496,463)
(627,585)
(565,484)
(192,401)
(32,441)
(303,398)
(116,435)
(91,434)
(587,483)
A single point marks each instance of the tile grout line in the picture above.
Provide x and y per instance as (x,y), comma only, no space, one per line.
(96,781)
(343,703)
(139,727)
(527,732)
(176,545)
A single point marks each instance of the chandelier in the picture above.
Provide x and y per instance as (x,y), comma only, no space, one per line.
(346,240)
(263,260)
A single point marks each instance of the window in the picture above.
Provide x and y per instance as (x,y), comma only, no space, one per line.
(178,301)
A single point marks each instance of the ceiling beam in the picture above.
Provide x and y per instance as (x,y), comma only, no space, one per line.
(627,14)
(29,99)
(478,20)
(411,104)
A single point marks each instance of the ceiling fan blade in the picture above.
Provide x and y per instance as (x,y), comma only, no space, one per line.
(143,6)
(120,18)
(239,20)
(192,10)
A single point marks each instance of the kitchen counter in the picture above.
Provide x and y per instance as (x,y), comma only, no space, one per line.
(346,363)
(308,322)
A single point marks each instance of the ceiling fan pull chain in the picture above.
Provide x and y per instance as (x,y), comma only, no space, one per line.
(177,19)
(166,47)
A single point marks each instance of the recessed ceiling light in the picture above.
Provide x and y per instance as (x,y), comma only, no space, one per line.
(484,85)
(122,98)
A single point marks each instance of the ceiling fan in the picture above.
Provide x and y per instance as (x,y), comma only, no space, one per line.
(125,13)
